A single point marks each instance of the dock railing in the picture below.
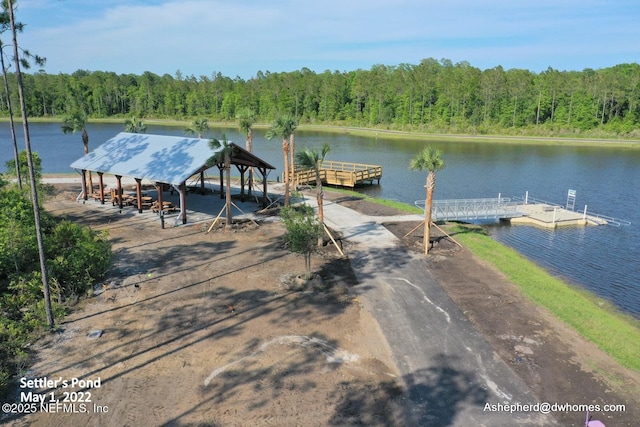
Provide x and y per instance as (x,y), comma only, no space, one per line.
(468,209)
(340,173)
(605,219)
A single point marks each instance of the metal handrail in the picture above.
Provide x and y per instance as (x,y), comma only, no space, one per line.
(616,222)
(497,207)
(500,207)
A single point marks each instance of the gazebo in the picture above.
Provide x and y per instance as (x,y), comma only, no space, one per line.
(163,160)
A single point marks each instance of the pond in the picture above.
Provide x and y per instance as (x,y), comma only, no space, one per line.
(604,260)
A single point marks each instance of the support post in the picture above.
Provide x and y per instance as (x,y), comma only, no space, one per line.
(139,193)
(119,190)
(101,185)
(183,202)
(84,184)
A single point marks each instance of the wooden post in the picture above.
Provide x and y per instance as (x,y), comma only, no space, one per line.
(84,184)
(139,193)
(119,179)
(159,191)
(264,187)
(183,202)
(101,185)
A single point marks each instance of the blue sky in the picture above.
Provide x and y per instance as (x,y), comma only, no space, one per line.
(242,37)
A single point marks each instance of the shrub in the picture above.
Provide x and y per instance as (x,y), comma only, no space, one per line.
(79,257)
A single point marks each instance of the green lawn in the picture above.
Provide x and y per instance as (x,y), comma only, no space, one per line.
(595,319)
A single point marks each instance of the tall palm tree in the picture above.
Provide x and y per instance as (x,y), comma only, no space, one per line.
(223,156)
(292,152)
(246,118)
(283,127)
(34,192)
(312,159)
(429,159)
(77,122)
(134,125)
(198,127)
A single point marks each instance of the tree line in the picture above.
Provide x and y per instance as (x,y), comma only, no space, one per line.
(432,96)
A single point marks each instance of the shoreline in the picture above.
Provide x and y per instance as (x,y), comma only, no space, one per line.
(587,141)
(591,316)
(611,308)
(562,363)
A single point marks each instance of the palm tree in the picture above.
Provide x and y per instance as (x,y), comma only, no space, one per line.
(134,125)
(284,126)
(32,178)
(246,118)
(311,159)
(76,122)
(292,150)
(223,156)
(198,127)
(430,159)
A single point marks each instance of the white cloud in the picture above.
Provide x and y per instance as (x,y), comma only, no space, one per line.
(245,36)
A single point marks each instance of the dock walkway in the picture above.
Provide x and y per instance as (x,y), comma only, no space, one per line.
(517,211)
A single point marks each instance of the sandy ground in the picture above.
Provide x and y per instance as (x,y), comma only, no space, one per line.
(208,329)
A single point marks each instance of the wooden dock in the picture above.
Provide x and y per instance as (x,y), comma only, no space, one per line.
(342,174)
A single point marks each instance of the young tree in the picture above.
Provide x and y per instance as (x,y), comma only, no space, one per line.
(223,157)
(430,159)
(34,191)
(198,127)
(23,164)
(283,127)
(312,159)
(302,233)
(134,125)
(77,122)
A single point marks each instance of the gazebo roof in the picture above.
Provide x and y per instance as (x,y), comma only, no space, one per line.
(158,158)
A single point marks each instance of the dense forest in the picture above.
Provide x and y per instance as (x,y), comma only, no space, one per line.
(433,96)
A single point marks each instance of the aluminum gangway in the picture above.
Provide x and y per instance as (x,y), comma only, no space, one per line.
(518,210)
(470,209)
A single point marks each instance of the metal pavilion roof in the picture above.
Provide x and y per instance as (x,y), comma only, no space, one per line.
(158,158)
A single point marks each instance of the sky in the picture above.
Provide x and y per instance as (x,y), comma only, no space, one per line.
(239,38)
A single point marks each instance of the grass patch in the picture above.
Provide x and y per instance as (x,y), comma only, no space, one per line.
(595,319)
(403,207)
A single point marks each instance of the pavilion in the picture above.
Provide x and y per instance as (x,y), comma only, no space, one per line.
(163,160)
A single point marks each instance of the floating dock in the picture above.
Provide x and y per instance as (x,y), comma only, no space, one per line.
(549,216)
(342,174)
(517,211)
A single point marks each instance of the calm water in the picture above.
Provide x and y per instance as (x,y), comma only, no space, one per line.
(604,260)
